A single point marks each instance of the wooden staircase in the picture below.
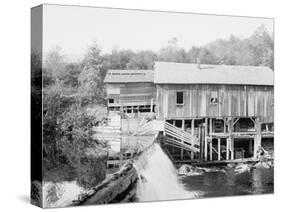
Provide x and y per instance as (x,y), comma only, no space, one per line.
(179,138)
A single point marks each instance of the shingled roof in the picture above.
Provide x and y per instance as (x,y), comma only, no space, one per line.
(127,76)
(182,73)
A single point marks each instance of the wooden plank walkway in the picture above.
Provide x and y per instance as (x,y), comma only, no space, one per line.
(180,138)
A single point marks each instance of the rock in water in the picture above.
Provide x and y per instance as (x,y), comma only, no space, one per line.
(241,168)
(189,170)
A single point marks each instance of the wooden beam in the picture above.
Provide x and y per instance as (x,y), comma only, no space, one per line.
(257,138)
(224,125)
(182,127)
(232,147)
(211,140)
(219,149)
(236,120)
(227,149)
(211,150)
(192,133)
(206,141)
(231,141)
(201,142)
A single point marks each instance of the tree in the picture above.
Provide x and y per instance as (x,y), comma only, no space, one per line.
(142,60)
(261,44)
(89,85)
(172,53)
(72,71)
(54,64)
(89,80)
(119,59)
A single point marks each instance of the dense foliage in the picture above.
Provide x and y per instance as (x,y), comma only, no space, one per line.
(256,50)
(72,104)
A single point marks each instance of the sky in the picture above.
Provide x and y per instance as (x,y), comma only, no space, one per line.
(75,28)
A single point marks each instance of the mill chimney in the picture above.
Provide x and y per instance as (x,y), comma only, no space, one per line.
(198,62)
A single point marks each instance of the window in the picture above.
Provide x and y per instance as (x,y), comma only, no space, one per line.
(179,99)
(110,101)
(214,97)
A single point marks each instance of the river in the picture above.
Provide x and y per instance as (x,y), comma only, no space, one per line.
(227,182)
(160,180)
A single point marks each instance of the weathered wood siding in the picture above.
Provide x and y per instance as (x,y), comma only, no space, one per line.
(131,93)
(233,100)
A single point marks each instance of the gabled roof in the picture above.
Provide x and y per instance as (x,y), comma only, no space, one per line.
(183,73)
(127,76)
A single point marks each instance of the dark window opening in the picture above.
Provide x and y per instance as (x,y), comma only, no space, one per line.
(214,100)
(214,97)
(179,97)
(110,101)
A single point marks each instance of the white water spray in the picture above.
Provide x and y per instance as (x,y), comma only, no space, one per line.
(158,178)
(60,194)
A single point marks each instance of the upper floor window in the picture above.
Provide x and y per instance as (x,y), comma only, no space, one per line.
(214,97)
(179,100)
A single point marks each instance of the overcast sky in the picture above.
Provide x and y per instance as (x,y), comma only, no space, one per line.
(75,28)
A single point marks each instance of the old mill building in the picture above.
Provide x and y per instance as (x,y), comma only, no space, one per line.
(209,112)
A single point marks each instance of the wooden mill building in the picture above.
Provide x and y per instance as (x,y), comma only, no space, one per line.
(216,111)
(228,108)
(130,91)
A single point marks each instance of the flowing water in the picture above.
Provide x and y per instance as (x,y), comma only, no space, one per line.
(158,179)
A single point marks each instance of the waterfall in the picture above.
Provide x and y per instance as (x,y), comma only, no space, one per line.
(158,178)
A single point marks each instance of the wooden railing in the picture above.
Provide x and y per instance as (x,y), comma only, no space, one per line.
(144,129)
(180,138)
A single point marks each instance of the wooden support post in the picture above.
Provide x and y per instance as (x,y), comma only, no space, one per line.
(201,142)
(192,133)
(219,149)
(206,140)
(211,149)
(227,149)
(230,140)
(232,147)
(211,126)
(211,140)
(182,127)
(257,138)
